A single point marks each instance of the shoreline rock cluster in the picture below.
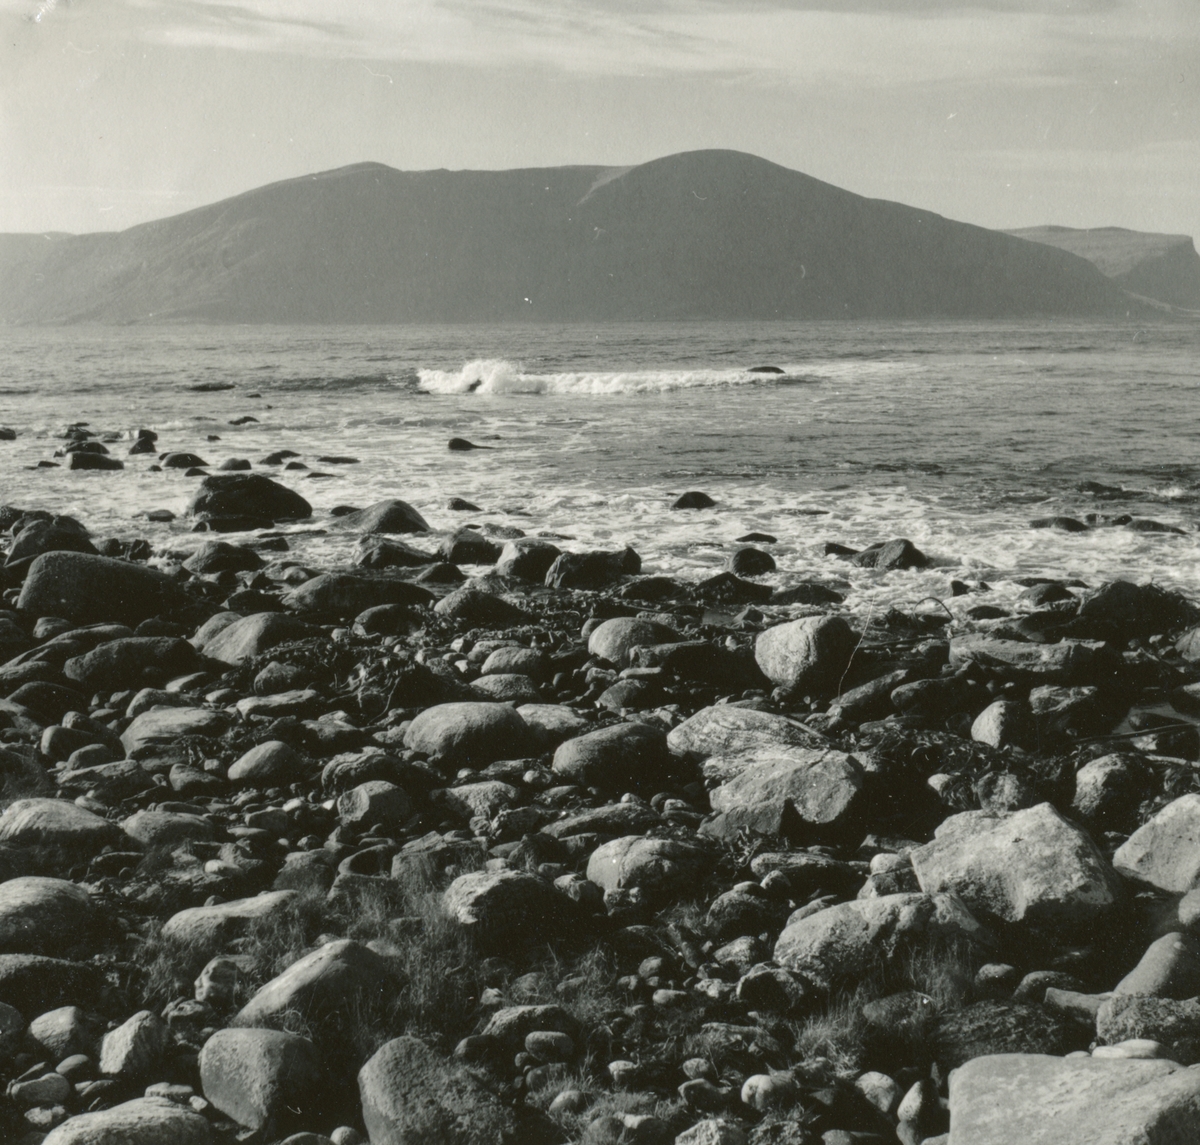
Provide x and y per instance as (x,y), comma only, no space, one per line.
(559,852)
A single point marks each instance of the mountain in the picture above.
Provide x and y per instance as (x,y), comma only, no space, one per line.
(1165,268)
(704,234)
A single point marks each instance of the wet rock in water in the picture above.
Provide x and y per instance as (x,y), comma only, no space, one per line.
(499,909)
(1162,853)
(278,457)
(749,561)
(262,1079)
(182,460)
(458,505)
(43,915)
(1062,524)
(885,556)
(1030,866)
(143,1121)
(161,727)
(623,757)
(693,500)
(390,516)
(727,589)
(792,792)
(131,662)
(410,1096)
(468,546)
(474,606)
(614,640)
(594,570)
(527,558)
(462,445)
(375,552)
(55,823)
(61,534)
(90,589)
(1039,1099)
(81,460)
(844,942)
(211,928)
(322,988)
(234,639)
(344,595)
(810,654)
(247,495)
(1123,611)
(468,734)
(234,465)
(220,556)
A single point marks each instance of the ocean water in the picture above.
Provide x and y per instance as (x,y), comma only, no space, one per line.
(953,435)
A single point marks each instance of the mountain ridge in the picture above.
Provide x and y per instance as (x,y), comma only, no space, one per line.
(701,234)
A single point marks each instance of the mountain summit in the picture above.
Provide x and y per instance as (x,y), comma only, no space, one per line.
(703,234)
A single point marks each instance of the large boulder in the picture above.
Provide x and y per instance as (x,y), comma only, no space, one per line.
(1029,866)
(1068,662)
(220,556)
(1173,1023)
(469,734)
(210,928)
(798,791)
(1041,1099)
(328,989)
(475,606)
(161,727)
(134,662)
(56,823)
(811,654)
(499,909)
(43,916)
(168,829)
(620,758)
(344,595)
(1165,851)
(90,589)
(392,516)
(615,639)
(595,570)
(844,943)
(527,558)
(244,638)
(658,869)
(411,1096)
(1124,611)
(1002,1026)
(143,1121)
(728,730)
(265,1080)
(376,552)
(249,495)
(34,983)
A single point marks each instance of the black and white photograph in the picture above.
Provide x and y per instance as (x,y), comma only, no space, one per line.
(597,572)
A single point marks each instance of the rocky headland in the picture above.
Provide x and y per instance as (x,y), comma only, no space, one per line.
(482,839)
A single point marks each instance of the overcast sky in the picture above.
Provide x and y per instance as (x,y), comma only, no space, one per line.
(1005,113)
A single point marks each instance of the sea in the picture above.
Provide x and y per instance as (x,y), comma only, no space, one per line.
(954,435)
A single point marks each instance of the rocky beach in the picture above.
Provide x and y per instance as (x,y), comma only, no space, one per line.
(482,835)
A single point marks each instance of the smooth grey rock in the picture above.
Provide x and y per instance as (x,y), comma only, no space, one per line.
(143,1121)
(161,727)
(468,734)
(345,595)
(167,828)
(55,823)
(1164,852)
(811,654)
(246,637)
(659,868)
(136,1048)
(211,927)
(622,757)
(614,640)
(1068,662)
(270,763)
(263,1079)
(44,916)
(503,908)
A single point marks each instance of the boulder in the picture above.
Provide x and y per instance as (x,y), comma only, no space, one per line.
(136,1048)
(411,1096)
(507,688)
(168,829)
(1108,791)
(1029,866)
(614,640)
(90,589)
(595,570)
(468,734)
(247,495)
(220,556)
(1068,662)
(660,869)
(375,803)
(499,909)
(265,1080)
(211,928)
(56,823)
(375,552)
(1006,723)
(798,791)
(551,724)
(844,943)
(269,764)
(392,516)
(89,460)
(1000,1026)
(468,546)
(1040,1099)
(885,556)
(728,730)
(161,727)
(527,558)
(43,916)
(1173,1023)
(806,655)
(475,606)
(244,638)
(482,800)
(33,983)
(60,534)
(329,989)
(143,1121)
(133,662)
(620,758)
(64,1031)
(1163,853)
(1169,968)
(345,595)
(1124,611)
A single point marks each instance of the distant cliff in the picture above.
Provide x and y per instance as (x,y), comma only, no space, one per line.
(704,234)
(1163,267)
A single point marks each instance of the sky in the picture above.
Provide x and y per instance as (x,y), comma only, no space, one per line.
(1004,113)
